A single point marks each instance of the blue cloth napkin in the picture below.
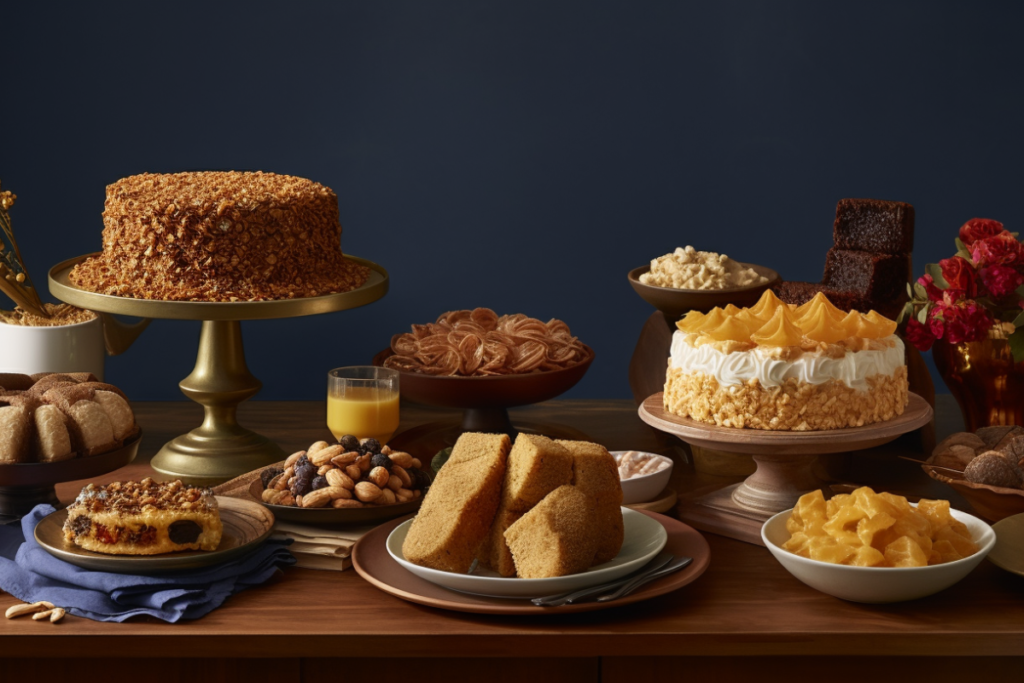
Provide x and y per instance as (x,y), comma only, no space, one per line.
(31,574)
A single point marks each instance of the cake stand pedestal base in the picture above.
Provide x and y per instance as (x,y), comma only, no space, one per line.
(220,448)
(718,513)
(785,463)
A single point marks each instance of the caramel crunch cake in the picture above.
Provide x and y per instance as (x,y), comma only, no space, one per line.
(219,236)
(143,518)
(776,366)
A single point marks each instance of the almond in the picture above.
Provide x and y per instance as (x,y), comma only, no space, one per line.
(367,491)
(317,499)
(402,474)
(322,457)
(379,476)
(339,478)
(318,446)
(346,458)
(401,459)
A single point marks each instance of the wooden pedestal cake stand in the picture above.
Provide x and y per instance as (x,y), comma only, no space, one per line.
(220,448)
(785,462)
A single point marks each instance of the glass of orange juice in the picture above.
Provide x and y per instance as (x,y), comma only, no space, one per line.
(362,400)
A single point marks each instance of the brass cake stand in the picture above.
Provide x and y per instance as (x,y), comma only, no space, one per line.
(220,448)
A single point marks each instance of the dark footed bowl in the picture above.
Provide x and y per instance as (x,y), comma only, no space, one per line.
(675,303)
(502,391)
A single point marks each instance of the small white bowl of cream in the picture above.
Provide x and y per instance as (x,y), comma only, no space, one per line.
(643,475)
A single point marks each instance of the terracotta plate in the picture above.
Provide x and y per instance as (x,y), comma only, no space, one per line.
(371,559)
(246,526)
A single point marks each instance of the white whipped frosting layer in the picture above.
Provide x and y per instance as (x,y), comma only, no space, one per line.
(811,367)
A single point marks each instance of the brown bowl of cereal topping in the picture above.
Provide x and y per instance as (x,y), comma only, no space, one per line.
(690,280)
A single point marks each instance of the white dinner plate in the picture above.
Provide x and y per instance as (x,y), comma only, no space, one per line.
(644,538)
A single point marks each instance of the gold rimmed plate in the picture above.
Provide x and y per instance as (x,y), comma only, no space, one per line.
(61,287)
(246,526)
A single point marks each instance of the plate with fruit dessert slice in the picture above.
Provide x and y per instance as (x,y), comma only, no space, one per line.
(244,526)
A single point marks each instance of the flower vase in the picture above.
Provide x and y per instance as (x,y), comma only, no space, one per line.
(984,379)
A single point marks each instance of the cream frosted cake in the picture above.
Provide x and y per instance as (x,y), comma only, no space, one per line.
(775,366)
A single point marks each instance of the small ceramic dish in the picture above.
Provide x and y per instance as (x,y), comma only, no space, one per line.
(877,585)
(646,487)
(644,538)
(675,303)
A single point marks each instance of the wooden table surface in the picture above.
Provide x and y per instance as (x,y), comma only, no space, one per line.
(745,611)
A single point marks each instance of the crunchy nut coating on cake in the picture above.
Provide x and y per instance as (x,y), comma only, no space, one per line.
(793,405)
(219,236)
(143,518)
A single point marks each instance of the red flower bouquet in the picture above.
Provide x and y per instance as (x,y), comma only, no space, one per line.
(976,294)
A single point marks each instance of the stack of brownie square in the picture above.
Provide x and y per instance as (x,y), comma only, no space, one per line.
(869,266)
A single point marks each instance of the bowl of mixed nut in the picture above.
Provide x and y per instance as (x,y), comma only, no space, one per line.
(352,481)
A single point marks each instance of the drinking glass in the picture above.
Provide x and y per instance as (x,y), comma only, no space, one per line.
(362,400)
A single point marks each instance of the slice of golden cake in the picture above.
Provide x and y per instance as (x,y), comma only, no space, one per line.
(459,507)
(595,473)
(536,467)
(494,552)
(557,537)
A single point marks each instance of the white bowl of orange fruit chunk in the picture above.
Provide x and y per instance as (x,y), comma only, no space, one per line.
(877,547)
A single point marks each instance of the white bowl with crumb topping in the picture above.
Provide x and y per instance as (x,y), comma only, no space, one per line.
(647,481)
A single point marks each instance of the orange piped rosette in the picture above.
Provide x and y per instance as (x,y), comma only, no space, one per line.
(691,321)
(781,330)
(874,325)
(730,329)
(765,307)
(871,326)
(821,321)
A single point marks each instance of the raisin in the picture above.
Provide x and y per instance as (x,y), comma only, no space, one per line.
(184,531)
(268,474)
(420,479)
(381,460)
(319,482)
(349,443)
(371,446)
(303,482)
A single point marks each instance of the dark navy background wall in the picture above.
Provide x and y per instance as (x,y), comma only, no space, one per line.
(518,155)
